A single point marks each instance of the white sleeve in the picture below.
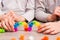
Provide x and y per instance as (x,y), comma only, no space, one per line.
(1,11)
(29,14)
(40,14)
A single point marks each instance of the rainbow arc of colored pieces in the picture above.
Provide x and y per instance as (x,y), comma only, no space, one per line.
(36,23)
(27,26)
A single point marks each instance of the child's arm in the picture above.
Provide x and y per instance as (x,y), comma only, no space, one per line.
(40,12)
(57,11)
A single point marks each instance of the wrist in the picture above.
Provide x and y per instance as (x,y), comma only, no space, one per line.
(51,17)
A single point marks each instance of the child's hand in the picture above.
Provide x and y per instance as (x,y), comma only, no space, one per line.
(57,11)
(8,20)
(50,28)
(16,17)
(7,23)
(51,18)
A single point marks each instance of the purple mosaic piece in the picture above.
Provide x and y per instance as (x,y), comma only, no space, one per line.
(29,29)
(16,29)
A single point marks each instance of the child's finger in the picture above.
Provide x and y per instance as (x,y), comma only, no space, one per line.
(43,29)
(55,32)
(12,14)
(44,25)
(48,31)
(4,26)
(11,25)
(7,24)
(13,22)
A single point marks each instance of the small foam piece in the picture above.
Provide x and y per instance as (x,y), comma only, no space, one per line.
(16,25)
(25,25)
(34,21)
(26,29)
(21,37)
(2,30)
(30,24)
(31,38)
(16,29)
(58,38)
(29,29)
(45,38)
(37,24)
(20,23)
(13,38)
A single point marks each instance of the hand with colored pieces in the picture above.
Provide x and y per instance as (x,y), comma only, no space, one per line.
(8,20)
(7,23)
(26,26)
(16,26)
(50,28)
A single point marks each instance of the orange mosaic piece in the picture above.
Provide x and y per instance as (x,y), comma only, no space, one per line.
(26,29)
(13,38)
(21,37)
(58,38)
(45,38)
